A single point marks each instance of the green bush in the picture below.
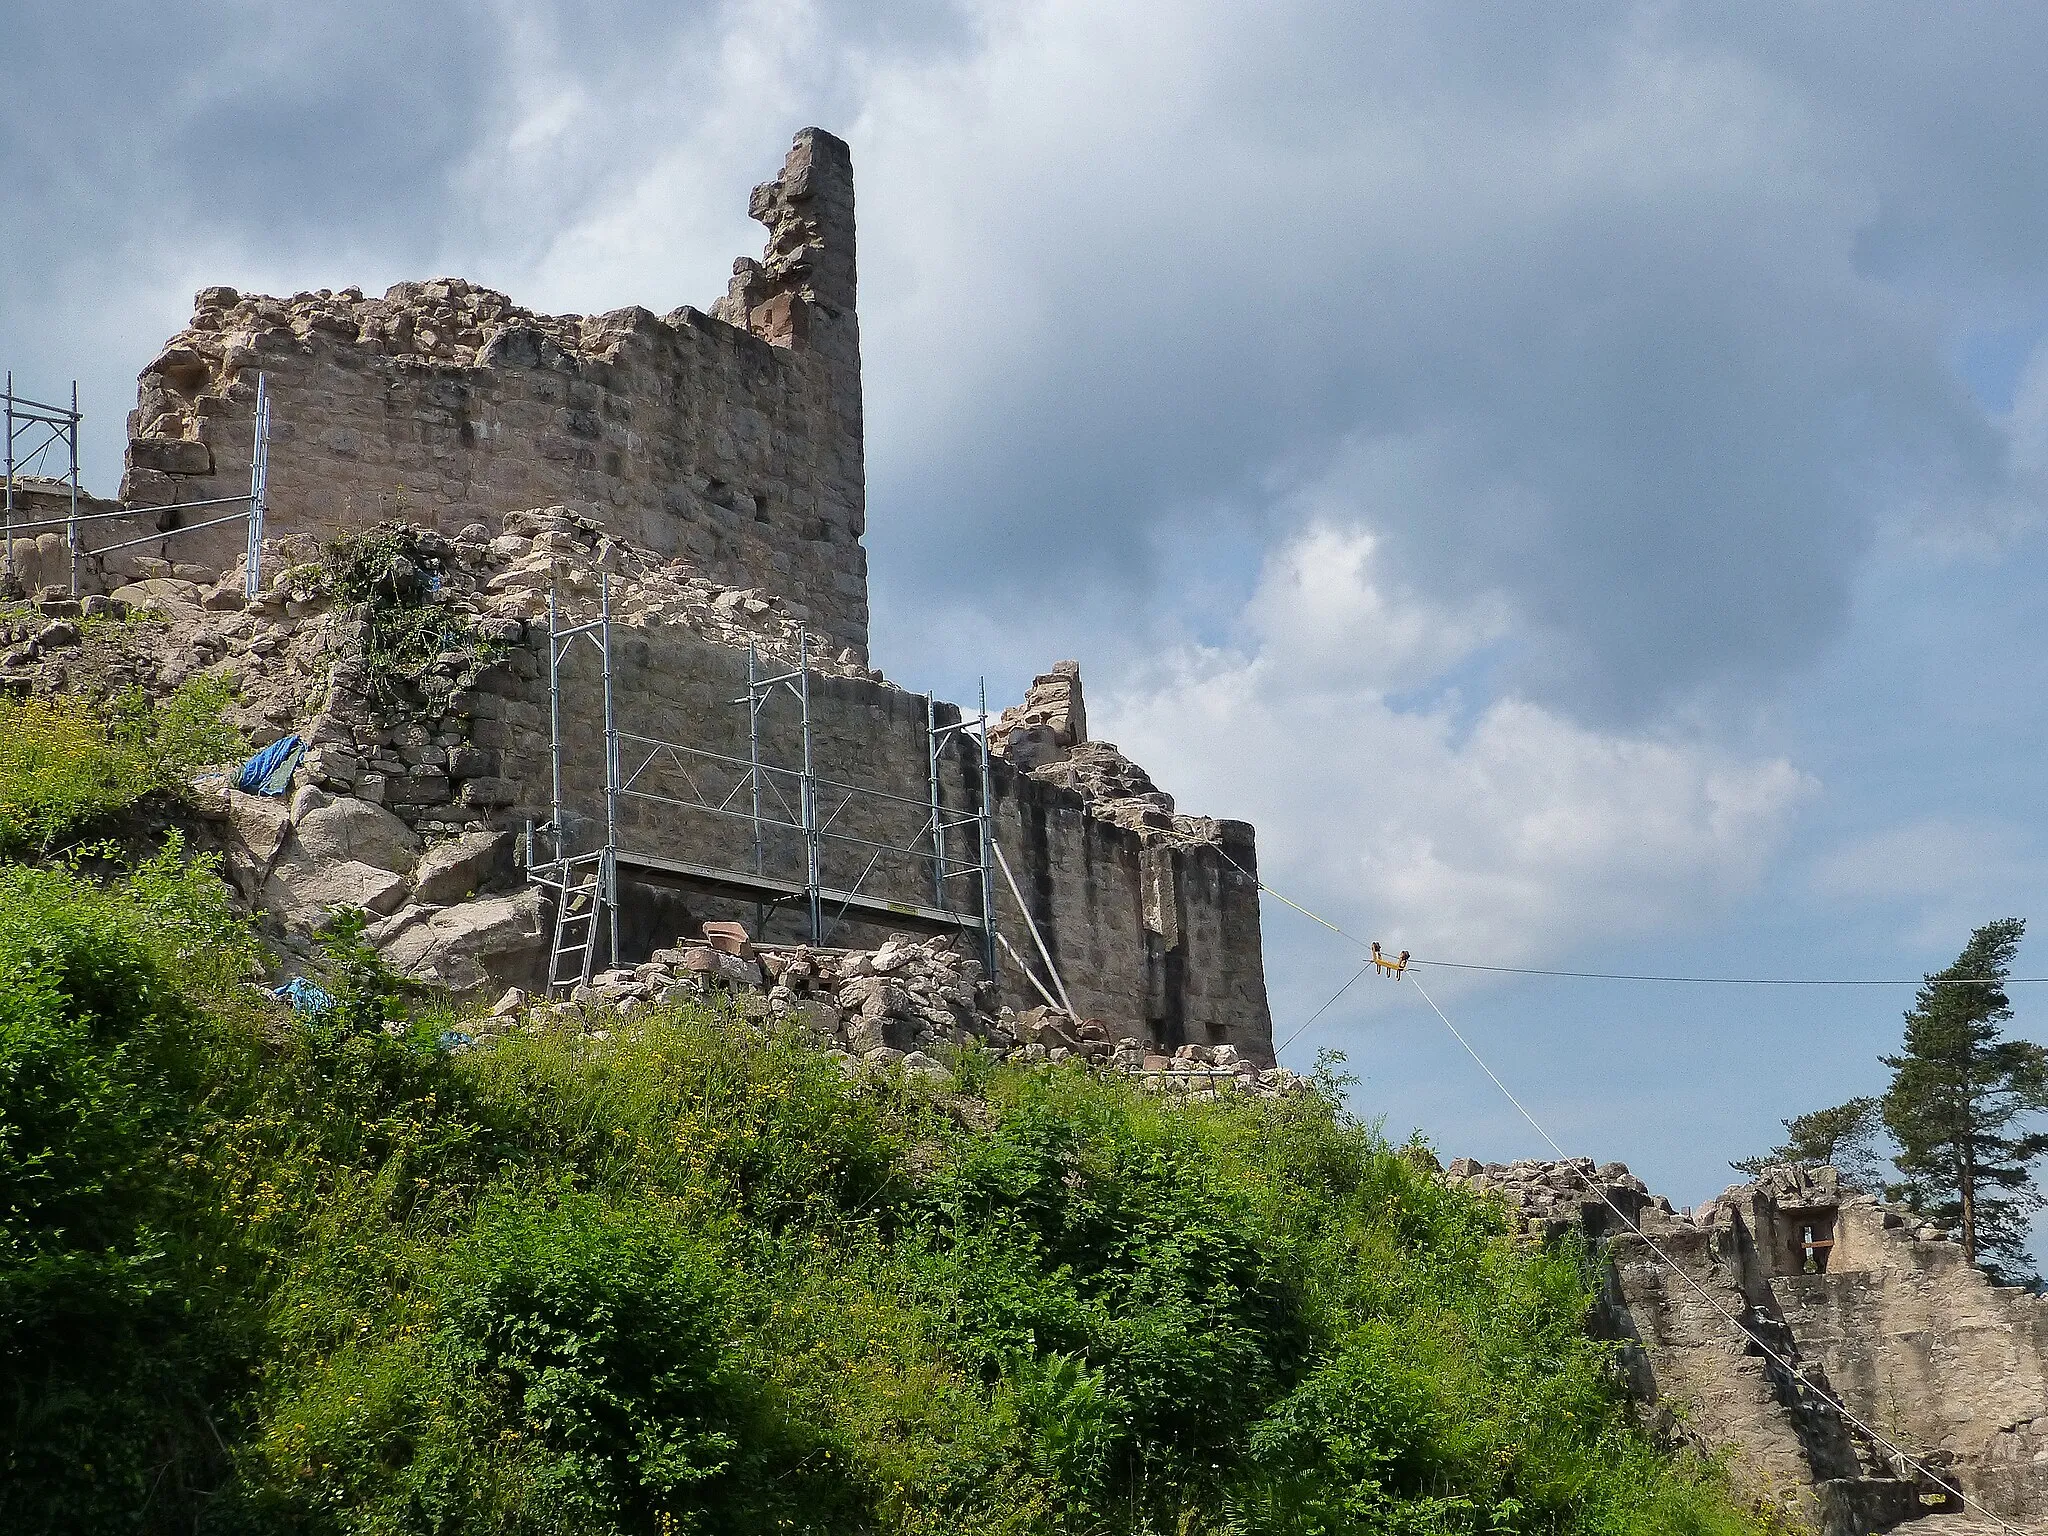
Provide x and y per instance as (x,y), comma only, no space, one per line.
(114,1347)
(67,766)
(416,645)
(260,1276)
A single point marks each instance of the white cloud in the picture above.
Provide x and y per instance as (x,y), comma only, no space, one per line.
(1944,874)
(1505,834)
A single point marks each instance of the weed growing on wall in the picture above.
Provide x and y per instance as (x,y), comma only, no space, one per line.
(418,649)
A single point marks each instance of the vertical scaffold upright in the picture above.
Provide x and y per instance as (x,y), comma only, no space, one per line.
(47,426)
(675,775)
(259,491)
(586,885)
(936,737)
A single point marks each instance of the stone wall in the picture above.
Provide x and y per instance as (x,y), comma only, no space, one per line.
(1151,918)
(1917,1341)
(732,437)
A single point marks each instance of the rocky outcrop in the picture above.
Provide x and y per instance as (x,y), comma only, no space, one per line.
(490,942)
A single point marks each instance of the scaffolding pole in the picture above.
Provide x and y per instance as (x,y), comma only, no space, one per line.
(259,491)
(988,844)
(813,843)
(931,773)
(655,761)
(610,870)
(554,826)
(71,546)
(58,424)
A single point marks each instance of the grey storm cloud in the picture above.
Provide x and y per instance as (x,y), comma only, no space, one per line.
(129,121)
(1641,318)
(1613,318)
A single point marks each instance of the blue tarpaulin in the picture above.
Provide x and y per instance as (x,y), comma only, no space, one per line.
(269,772)
(304,996)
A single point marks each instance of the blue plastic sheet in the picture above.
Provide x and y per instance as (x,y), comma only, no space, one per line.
(307,1000)
(269,772)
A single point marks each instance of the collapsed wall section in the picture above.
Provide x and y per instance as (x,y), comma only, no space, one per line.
(733,438)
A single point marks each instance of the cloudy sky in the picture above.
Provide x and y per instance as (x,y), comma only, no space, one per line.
(1574,477)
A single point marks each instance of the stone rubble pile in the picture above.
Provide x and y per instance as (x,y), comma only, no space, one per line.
(292,633)
(557,546)
(1553,1197)
(448,321)
(889,1006)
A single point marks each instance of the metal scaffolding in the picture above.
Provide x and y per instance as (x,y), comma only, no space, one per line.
(47,427)
(797,803)
(585,885)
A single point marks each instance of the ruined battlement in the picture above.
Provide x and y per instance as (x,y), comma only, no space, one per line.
(1865,1305)
(732,438)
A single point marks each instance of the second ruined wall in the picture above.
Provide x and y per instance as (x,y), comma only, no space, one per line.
(1158,937)
(1920,1344)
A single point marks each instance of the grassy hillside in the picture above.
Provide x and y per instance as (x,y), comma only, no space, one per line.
(261,1275)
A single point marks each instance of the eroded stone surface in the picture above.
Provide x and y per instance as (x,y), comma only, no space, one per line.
(1868,1309)
(497,941)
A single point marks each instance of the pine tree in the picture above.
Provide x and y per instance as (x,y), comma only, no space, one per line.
(1957,1102)
(1838,1138)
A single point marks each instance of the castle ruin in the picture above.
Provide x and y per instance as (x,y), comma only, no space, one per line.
(1837,1298)
(694,484)
(731,438)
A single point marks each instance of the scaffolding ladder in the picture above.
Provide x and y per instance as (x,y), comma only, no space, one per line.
(581,885)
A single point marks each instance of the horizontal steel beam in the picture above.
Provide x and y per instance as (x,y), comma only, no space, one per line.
(757,886)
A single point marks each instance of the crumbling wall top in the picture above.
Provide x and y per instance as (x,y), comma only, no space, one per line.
(734,438)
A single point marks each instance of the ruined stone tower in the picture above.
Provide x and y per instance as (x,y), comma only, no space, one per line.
(731,438)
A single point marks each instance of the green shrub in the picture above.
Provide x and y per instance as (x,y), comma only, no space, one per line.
(111,1257)
(414,642)
(260,1276)
(67,766)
